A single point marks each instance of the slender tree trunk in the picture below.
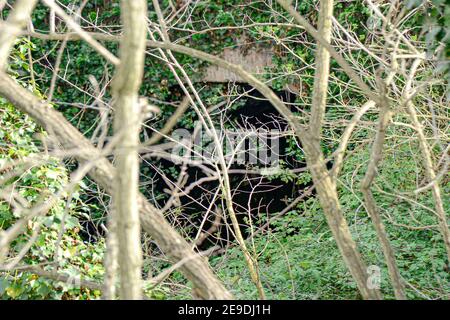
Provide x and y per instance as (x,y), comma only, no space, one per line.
(328,197)
(127,125)
(431,176)
(427,160)
(322,74)
(111,259)
(325,185)
(376,156)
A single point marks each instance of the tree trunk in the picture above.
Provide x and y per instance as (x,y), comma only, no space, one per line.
(127,126)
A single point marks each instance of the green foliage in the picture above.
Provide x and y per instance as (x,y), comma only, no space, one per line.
(35,184)
(299,259)
(76,257)
(434,18)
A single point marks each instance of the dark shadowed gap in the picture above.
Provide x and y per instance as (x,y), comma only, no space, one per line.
(254,195)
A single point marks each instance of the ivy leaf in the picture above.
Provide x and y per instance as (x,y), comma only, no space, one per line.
(14,291)
(4,283)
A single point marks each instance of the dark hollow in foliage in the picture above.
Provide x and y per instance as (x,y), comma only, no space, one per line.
(254,195)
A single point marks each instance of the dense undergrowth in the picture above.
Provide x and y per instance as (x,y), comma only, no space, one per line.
(298,256)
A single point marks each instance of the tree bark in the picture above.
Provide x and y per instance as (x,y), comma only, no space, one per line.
(323,182)
(427,159)
(322,74)
(125,89)
(376,156)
